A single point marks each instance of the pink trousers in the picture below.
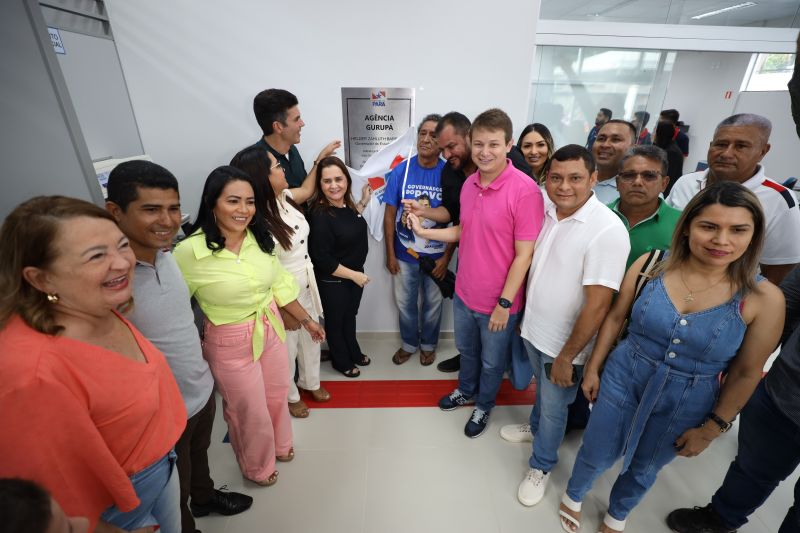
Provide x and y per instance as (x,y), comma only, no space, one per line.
(253,394)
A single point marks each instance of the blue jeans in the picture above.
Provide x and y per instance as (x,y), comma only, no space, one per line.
(769,451)
(158,489)
(407,284)
(643,406)
(549,413)
(483,353)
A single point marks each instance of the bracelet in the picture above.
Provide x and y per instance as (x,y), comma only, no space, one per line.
(305,321)
(723,426)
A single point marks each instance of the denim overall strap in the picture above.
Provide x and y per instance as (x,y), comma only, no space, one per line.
(655,386)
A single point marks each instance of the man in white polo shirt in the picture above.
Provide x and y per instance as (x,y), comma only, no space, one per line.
(578,264)
(740,143)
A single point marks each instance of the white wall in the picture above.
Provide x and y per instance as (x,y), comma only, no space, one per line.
(783,159)
(697,89)
(193,67)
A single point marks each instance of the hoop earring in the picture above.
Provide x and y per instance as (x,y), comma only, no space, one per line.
(52,297)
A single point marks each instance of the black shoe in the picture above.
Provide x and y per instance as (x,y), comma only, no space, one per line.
(450,365)
(224,503)
(697,520)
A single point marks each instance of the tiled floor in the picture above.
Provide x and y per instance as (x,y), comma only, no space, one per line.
(411,470)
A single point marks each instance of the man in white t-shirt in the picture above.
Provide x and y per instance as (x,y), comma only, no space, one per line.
(740,143)
(578,264)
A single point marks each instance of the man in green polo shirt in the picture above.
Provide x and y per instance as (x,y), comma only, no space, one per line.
(641,180)
(278,114)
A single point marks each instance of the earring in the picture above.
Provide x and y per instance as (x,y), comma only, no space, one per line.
(52,297)
(213,214)
(252,222)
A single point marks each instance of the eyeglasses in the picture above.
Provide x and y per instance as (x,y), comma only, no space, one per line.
(276,165)
(647,175)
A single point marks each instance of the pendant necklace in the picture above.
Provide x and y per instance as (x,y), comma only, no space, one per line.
(690,297)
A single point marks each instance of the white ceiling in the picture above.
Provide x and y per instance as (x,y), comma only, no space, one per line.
(767,13)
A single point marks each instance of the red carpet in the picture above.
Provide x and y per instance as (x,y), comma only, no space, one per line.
(405,393)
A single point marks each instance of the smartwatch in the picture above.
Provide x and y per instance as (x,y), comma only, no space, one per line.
(505,304)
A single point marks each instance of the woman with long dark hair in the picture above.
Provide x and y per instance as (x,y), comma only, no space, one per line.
(338,250)
(704,310)
(290,229)
(536,144)
(228,262)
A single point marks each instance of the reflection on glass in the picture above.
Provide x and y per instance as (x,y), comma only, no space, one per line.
(760,13)
(769,72)
(573,83)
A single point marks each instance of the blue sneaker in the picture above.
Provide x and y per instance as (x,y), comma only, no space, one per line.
(477,423)
(453,400)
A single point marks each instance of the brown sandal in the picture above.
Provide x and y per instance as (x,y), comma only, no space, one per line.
(286,458)
(298,409)
(427,358)
(320,395)
(271,480)
(401,356)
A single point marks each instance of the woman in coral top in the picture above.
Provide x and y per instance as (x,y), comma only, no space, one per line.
(231,268)
(90,408)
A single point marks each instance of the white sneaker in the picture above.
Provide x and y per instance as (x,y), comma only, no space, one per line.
(517,433)
(531,490)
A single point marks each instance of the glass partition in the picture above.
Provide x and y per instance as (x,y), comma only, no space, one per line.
(760,13)
(571,84)
(769,72)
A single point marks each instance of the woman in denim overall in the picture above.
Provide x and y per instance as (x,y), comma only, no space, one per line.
(704,310)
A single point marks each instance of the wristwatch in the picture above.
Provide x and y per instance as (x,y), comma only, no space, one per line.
(505,304)
(723,426)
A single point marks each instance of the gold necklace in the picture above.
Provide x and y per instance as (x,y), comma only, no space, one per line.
(690,297)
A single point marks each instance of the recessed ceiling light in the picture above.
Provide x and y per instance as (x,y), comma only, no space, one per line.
(724,10)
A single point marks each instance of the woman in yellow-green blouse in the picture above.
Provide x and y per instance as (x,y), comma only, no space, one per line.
(229,264)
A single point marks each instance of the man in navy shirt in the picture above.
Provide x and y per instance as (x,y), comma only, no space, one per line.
(278,114)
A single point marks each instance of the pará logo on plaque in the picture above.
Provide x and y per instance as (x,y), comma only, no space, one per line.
(379,99)
(373,118)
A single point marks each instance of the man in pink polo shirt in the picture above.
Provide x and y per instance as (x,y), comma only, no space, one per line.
(501,214)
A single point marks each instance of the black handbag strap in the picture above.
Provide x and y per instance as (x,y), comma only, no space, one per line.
(653,258)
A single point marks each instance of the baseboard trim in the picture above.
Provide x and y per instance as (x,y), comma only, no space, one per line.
(395,335)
